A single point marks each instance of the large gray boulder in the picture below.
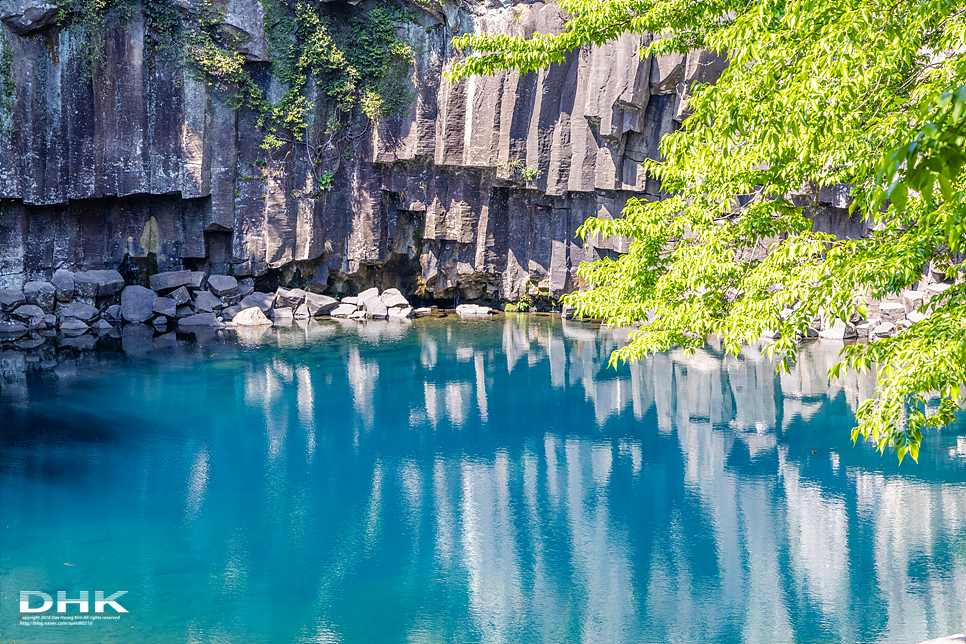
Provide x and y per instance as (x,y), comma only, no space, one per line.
(113,312)
(26,16)
(11,299)
(343,310)
(171,280)
(41,294)
(206,302)
(283,316)
(63,281)
(197,279)
(252,316)
(222,285)
(473,310)
(366,294)
(319,304)
(892,312)
(165,306)
(289,298)
(264,301)
(97,283)
(838,330)
(78,311)
(375,309)
(137,303)
(74,327)
(180,295)
(8,329)
(392,297)
(28,311)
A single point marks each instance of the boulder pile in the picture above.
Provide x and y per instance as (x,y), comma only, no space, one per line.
(390,304)
(98,302)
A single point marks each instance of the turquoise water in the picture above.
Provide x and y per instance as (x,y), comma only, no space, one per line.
(466,481)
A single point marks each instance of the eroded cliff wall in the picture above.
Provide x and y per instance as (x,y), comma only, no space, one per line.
(139,155)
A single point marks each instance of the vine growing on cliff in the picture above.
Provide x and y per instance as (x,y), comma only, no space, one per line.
(7,86)
(355,62)
(867,94)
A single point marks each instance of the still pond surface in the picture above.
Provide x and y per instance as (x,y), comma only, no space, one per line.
(466,481)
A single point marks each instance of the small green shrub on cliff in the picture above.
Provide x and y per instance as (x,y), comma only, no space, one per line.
(6,78)
(354,62)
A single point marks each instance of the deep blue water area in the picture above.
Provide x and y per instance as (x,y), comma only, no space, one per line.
(466,481)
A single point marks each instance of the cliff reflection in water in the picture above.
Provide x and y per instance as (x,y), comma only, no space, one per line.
(487,481)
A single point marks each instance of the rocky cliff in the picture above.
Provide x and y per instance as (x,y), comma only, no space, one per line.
(474,191)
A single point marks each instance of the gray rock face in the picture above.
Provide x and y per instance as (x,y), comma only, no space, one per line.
(197,279)
(473,310)
(11,299)
(343,310)
(222,285)
(366,294)
(289,298)
(26,16)
(42,294)
(78,311)
(11,329)
(252,316)
(63,281)
(264,301)
(166,281)
(28,311)
(892,312)
(165,306)
(113,313)
(885,330)
(319,304)
(230,312)
(74,326)
(137,303)
(98,283)
(392,297)
(283,315)
(206,302)
(144,159)
(180,295)
(375,309)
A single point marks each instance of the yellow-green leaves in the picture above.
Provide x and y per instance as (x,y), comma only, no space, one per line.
(819,94)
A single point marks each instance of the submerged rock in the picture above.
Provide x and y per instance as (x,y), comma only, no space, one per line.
(199,319)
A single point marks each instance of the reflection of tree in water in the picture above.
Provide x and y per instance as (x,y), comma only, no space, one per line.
(495,481)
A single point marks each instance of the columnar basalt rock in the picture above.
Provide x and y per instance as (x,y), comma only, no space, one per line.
(141,159)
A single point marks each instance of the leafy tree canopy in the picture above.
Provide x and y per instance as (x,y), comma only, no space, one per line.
(868,93)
